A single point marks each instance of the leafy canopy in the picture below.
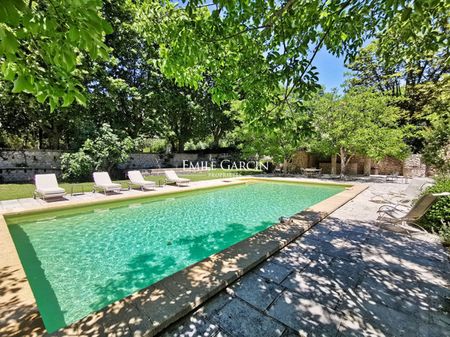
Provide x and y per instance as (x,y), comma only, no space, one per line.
(277,133)
(416,80)
(362,122)
(251,47)
(42,44)
(436,151)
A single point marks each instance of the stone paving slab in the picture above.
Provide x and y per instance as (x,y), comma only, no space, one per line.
(153,309)
(344,277)
(273,271)
(305,316)
(256,290)
(240,319)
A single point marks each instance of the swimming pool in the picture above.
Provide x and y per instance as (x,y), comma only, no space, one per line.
(78,263)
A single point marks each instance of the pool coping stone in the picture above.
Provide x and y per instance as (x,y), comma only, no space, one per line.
(152,309)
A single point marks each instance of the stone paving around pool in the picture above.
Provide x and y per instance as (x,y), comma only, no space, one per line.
(154,308)
(24,204)
(345,277)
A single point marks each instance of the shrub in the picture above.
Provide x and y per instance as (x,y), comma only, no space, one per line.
(101,154)
(151,145)
(76,166)
(437,219)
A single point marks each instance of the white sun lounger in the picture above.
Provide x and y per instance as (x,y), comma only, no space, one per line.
(47,186)
(137,179)
(171,177)
(103,183)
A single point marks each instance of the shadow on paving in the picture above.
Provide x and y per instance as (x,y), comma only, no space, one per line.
(338,279)
(19,317)
(155,307)
(341,278)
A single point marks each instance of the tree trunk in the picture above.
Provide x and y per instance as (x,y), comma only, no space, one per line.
(285,166)
(333,164)
(54,137)
(180,148)
(40,137)
(173,147)
(367,166)
(216,139)
(343,156)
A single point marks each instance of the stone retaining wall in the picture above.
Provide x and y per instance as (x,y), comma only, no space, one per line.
(23,165)
(413,166)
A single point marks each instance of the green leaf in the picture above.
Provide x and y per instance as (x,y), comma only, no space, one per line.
(73,34)
(68,99)
(9,43)
(69,59)
(41,97)
(9,71)
(22,83)
(81,99)
(9,11)
(53,101)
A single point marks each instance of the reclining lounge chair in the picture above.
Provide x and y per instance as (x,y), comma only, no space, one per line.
(137,179)
(103,183)
(396,214)
(172,177)
(47,187)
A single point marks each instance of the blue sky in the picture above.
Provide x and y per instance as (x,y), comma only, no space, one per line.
(331,70)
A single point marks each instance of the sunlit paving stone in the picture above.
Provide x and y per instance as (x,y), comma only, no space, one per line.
(353,279)
(256,290)
(304,315)
(273,271)
(239,318)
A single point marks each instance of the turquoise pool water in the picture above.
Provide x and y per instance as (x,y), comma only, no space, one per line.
(77,264)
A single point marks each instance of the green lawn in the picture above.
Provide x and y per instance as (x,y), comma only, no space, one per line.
(16,191)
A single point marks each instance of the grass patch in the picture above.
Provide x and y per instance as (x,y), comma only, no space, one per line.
(18,191)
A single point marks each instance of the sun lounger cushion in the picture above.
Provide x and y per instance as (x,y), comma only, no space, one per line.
(47,186)
(46,191)
(136,178)
(110,186)
(173,177)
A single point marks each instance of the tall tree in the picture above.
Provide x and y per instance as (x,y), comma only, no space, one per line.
(360,123)
(437,135)
(216,119)
(276,133)
(413,79)
(120,87)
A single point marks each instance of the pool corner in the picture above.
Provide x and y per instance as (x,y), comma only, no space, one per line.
(167,300)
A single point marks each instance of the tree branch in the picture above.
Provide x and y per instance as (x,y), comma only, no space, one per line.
(266,25)
(317,48)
